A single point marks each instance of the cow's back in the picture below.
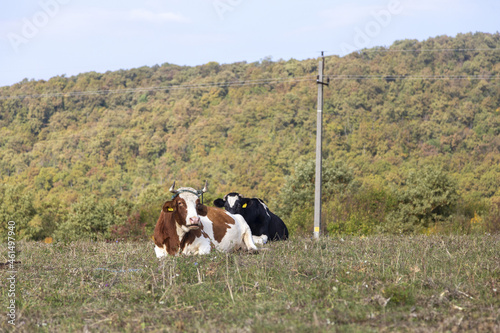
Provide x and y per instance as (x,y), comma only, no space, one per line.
(257,217)
(228,231)
(274,226)
(277,228)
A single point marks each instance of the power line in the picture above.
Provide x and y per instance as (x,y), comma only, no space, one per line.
(415,77)
(167,88)
(380,50)
(387,77)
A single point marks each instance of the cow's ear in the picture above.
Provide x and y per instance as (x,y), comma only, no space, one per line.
(245,202)
(219,203)
(201,209)
(169,207)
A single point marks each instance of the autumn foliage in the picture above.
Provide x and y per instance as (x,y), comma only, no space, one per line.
(411,141)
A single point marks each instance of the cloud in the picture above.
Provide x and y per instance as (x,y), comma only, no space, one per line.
(102,22)
(92,17)
(79,22)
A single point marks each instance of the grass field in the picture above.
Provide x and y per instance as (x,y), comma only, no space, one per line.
(350,284)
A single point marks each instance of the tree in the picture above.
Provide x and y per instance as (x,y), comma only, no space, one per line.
(16,204)
(398,113)
(296,199)
(90,217)
(426,197)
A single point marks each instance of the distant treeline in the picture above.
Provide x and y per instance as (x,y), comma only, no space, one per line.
(411,142)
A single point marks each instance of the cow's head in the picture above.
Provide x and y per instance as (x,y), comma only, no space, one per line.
(234,203)
(186,207)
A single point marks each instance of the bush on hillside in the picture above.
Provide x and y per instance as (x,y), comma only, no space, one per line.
(17,205)
(427,196)
(296,199)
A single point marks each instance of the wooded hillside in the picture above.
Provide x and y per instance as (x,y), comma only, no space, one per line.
(411,141)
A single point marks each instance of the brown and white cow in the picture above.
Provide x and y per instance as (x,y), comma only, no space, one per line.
(187,226)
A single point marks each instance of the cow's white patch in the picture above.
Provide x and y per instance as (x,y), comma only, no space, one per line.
(181,231)
(239,228)
(232,200)
(265,207)
(190,200)
(260,240)
(160,252)
(201,245)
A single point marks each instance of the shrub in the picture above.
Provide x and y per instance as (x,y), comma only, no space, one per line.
(427,196)
(16,204)
(492,220)
(89,217)
(296,199)
(360,212)
(51,213)
(149,205)
(133,229)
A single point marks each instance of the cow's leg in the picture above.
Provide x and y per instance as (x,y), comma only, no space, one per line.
(203,246)
(260,240)
(204,249)
(160,252)
(248,239)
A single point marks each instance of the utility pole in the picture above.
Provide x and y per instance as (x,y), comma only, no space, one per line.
(319,158)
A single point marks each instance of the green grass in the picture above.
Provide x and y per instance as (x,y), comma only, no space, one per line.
(350,284)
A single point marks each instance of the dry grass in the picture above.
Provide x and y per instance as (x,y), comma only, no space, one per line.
(382,283)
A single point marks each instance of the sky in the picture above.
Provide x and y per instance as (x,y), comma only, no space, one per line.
(40,39)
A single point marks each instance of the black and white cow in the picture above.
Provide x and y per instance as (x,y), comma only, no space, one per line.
(264,224)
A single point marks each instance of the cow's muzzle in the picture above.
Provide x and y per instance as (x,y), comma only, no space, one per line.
(194,223)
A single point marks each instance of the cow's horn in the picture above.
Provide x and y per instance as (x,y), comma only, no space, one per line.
(205,188)
(172,188)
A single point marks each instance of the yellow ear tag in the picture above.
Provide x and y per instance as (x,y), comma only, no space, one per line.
(170,209)
(244,206)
